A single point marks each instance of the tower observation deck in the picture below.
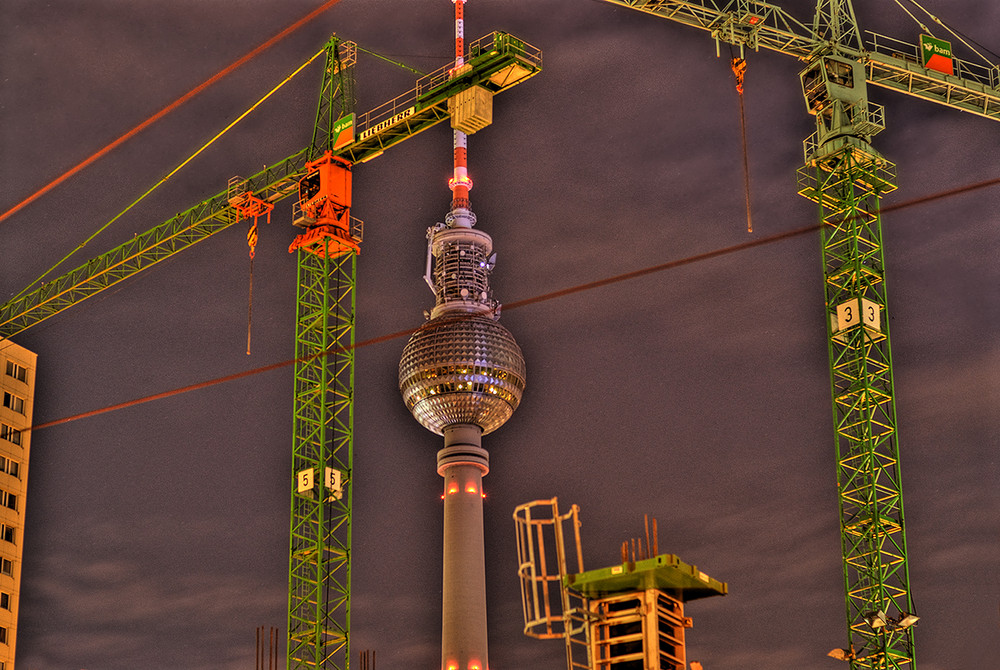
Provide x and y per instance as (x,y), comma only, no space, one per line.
(462,375)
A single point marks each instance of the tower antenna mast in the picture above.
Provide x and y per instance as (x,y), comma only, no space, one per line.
(460,183)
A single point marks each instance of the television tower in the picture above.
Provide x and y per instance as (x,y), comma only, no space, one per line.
(461,376)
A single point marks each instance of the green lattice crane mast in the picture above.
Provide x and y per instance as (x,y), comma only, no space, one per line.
(847,177)
(319,566)
(327,252)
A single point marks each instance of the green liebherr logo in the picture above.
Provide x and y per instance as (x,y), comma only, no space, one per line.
(936,54)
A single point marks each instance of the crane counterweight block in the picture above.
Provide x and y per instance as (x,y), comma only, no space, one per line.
(324,209)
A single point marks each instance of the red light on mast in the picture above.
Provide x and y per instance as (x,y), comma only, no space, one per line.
(465,181)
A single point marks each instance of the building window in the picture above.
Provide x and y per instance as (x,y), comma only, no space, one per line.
(10,433)
(11,401)
(8,499)
(12,468)
(6,533)
(16,371)
(4,603)
(6,567)
(3,635)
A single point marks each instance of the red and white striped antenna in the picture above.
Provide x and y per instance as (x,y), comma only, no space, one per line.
(460,183)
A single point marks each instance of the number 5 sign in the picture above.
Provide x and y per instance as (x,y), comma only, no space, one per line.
(334,483)
(306,480)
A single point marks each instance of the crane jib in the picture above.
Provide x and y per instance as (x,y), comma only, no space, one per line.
(499,62)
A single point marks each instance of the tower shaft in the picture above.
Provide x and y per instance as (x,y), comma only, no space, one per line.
(461,375)
(462,464)
(847,178)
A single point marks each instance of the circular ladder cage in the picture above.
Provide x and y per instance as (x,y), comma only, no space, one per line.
(551,610)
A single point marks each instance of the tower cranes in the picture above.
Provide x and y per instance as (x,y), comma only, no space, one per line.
(847,177)
(327,250)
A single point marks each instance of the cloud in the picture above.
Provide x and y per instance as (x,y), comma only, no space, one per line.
(105,609)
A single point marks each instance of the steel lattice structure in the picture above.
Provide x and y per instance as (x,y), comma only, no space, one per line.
(319,568)
(499,61)
(323,432)
(848,184)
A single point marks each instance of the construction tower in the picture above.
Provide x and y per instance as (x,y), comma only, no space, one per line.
(628,616)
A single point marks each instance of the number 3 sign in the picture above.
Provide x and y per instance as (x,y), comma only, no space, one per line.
(851,313)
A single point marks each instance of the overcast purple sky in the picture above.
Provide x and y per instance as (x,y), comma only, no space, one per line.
(157,535)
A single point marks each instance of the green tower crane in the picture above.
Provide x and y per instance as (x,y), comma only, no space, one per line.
(323,409)
(319,566)
(847,177)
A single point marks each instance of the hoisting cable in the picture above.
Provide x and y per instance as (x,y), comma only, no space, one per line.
(252,243)
(171,107)
(171,174)
(739,69)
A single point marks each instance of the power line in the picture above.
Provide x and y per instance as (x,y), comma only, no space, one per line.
(579,288)
(725,251)
(169,108)
(222,380)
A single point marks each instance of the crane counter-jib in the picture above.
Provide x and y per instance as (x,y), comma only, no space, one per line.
(498,61)
(892,64)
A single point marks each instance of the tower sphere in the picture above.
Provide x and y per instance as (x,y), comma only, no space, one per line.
(462,368)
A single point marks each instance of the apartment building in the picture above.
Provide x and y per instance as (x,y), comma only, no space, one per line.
(17,384)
